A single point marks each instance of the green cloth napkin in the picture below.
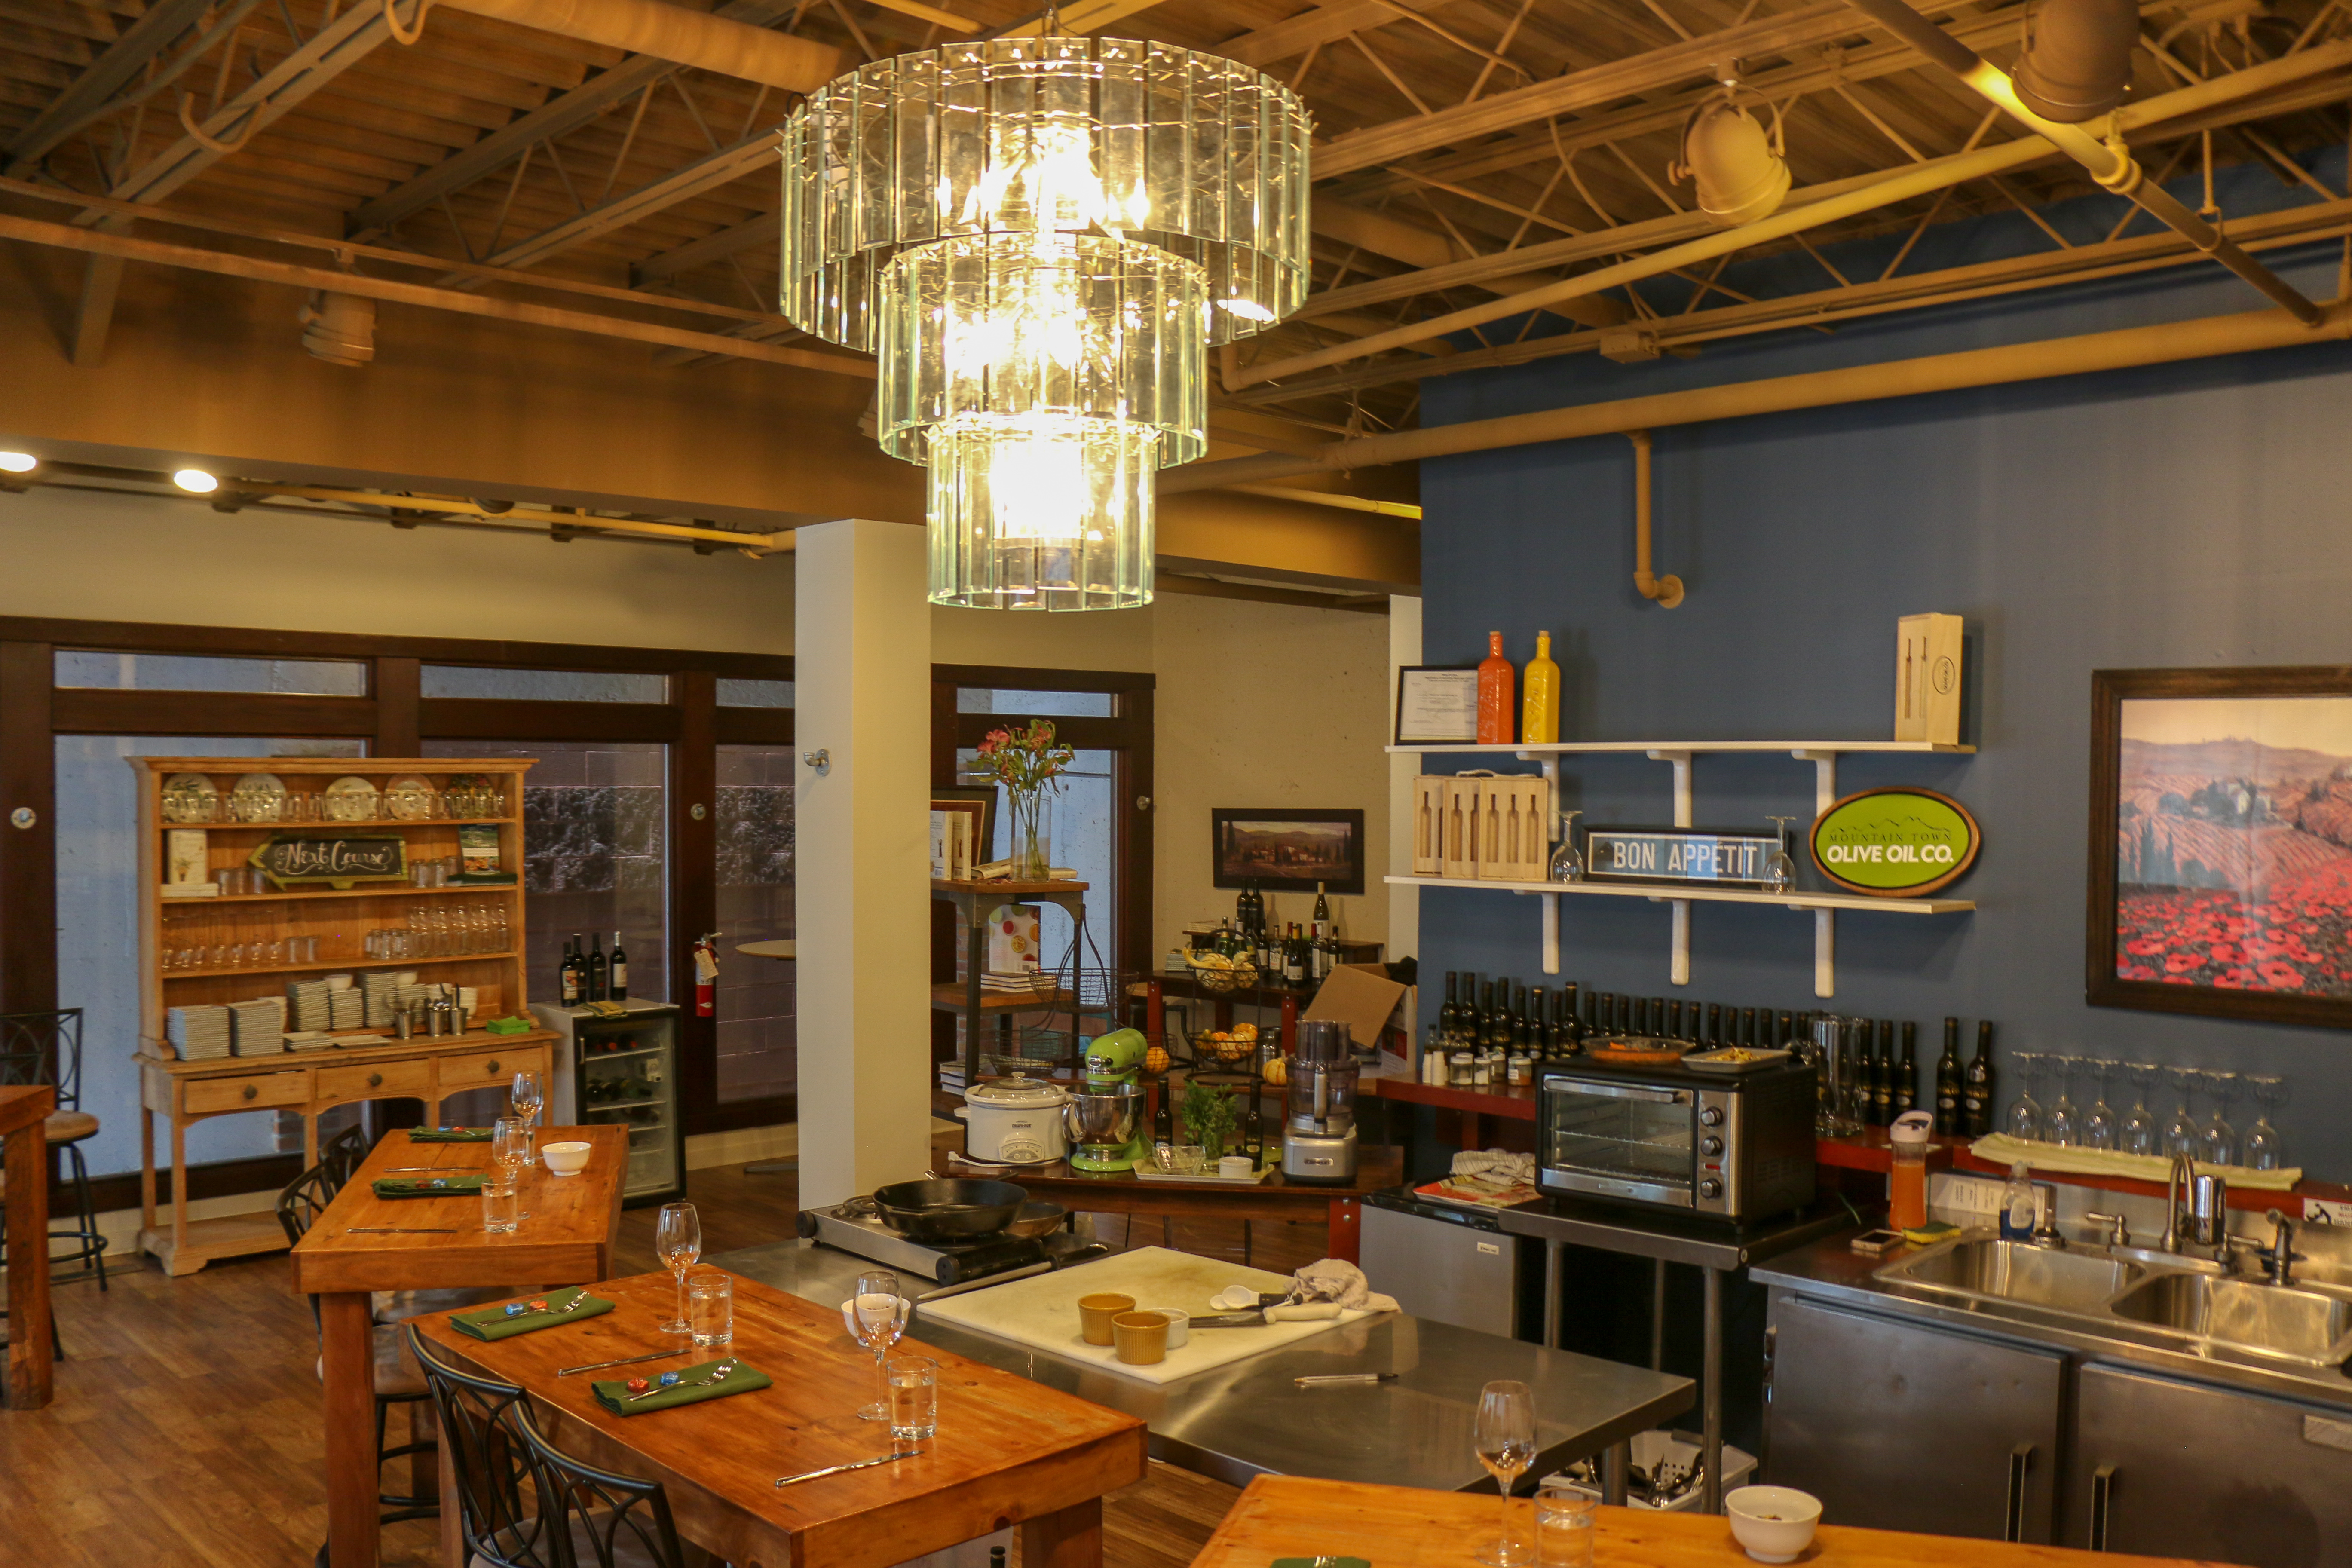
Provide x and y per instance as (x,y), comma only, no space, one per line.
(423,1187)
(449,1135)
(614,1395)
(493,1322)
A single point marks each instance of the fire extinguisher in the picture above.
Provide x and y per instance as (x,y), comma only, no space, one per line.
(706,976)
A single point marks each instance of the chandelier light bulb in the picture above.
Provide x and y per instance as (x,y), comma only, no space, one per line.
(195,482)
(19,462)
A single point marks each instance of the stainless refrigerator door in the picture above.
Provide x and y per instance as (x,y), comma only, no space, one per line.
(1900,1427)
(2177,1469)
(1452,1273)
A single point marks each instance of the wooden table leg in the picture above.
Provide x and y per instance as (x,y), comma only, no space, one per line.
(25,1161)
(344,1332)
(1347,1225)
(1067,1538)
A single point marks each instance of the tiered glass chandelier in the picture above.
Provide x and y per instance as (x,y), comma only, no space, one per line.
(1042,238)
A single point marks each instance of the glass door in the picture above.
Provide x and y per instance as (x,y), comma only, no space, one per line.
(1621,1140)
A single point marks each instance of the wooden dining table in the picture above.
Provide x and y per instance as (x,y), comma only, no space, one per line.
(565,1239)
(24,1109)
(1008,1451)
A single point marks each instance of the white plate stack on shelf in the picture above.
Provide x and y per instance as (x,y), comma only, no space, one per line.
(197,1034)
(382,989)
(347,1008)
(310,1007)
(308,1040)
(259,1028)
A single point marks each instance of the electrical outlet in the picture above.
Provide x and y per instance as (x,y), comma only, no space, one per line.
(1966,1194)
(2328,1210)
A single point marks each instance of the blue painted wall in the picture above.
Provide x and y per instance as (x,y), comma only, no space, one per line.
(2197,514)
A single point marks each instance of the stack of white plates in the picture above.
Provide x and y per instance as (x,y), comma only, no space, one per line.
(382,988)
(260,1027)
(308,1040)
(346,1009)
(198,1033)
(309,1005)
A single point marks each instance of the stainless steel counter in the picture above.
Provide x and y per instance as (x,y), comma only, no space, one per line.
(1247,1420)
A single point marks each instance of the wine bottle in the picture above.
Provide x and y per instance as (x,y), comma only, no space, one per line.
(1976,1088)
(1495,682)
(1947,1082)
(1713,1035)
(1907,1071)
(1784,1032)
(1163,1118)
(1448,1016)
(1539,718)
(1535,1026)
(1294,957)
(1882,1086)
(1487,1019)
(597,982)
(1567,1038)
(620,971)
(1748,1028)
(568,976)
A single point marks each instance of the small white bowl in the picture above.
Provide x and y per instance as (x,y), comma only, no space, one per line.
(1179,1323)
(566,1158)
(338,981)
(1774,1524)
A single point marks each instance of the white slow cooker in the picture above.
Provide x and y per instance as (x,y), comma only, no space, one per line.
(1014,1122)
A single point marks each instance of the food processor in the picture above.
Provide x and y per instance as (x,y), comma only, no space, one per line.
(1104,1116)
(1319,1141)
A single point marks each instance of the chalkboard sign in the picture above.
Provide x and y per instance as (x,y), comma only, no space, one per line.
(337,859)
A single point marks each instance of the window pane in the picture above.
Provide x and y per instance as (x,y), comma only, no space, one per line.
(98,932)
(1053,704)
(86,668)
(1083,824)
(543,685)
(755,693)
(759,1024)
(595,828)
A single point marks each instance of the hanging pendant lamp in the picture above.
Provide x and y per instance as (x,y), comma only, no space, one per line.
(1041,238)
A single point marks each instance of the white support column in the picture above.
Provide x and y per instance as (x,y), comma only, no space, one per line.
(1825,796)
(1685,816)
(1405,902)
(1556,829)
(862,671)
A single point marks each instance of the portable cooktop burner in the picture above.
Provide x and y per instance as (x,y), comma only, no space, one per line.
(853,1227)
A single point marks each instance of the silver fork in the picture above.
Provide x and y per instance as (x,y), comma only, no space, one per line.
(718,1374)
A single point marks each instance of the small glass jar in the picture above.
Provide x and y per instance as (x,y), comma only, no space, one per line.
(1464,1067)
(1519,1070)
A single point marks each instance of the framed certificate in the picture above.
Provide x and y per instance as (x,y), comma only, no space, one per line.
(1436,705)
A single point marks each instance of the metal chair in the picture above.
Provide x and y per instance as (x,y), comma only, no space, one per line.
(46,1048)
(343,1154)
(601,1523)
(397,1378)
(482,1422)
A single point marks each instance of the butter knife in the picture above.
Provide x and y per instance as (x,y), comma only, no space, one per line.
(400,1230)
(624,1361)
(837,1469)
(438,1170)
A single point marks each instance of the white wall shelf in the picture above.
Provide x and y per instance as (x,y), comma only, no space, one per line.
(1822,754)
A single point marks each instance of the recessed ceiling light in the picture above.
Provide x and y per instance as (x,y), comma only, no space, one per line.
(19,462)
(195,482)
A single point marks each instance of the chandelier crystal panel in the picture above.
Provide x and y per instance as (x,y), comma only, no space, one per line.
(1041,238)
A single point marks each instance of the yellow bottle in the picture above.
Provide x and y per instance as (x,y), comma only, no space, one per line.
(1539,716)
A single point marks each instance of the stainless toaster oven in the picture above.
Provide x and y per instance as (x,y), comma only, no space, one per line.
(1732,1146)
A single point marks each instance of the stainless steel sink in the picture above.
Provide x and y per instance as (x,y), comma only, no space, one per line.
(1994,1270)
(2305,1326)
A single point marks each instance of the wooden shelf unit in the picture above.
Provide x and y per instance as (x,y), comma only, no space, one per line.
(183,1092)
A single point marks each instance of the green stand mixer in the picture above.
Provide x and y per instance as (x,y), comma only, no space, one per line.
(1104,1116)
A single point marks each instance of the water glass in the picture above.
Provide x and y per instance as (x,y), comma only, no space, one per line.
(501,1209)
(710,1307)
(1564,1528)
(913,1382)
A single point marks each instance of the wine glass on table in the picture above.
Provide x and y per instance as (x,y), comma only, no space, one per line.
(1505,1438)
(877,1316)
(510,1150)
(526,1094)
(677,1242)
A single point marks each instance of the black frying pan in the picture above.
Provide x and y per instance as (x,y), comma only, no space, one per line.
(949,1210)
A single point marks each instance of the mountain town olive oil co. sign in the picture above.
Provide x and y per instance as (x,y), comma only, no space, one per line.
(339,860)
(1895,843)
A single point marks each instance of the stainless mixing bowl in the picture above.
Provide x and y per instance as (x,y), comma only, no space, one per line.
(1104,1118)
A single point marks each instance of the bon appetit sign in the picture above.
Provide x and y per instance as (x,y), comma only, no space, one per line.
(1677,855)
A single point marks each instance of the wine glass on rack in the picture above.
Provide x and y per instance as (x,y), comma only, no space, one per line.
(1780,867)
(2138,1134)
(2099,1122)
(1568,861)
(877,1315)
(2025,1112)
(677,1242)
(2063,1123)
(2265,1146)
(2181,1129)
(2217,1142)
(1504,1439)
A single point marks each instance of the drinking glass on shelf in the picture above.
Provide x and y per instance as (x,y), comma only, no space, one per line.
(2138,1134)
(2265,1145)
(1779,868)
(677,1242)
(2217,1141)
(2181,1129)
(2099,1122)
(2062,1124)
(2025,1112)
(526,1094)
(1504,1436)
(877,1316)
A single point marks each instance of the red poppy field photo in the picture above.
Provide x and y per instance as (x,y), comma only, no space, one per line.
(2233,844)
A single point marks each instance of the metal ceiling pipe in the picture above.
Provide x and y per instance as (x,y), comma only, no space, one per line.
(1666,592)
(2109,163)
(665,32)
(2124,349)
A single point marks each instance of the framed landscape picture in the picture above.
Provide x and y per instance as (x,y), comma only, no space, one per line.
(2221,864)
(1285,848)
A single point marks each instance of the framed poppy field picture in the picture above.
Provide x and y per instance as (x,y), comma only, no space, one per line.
(2220,863)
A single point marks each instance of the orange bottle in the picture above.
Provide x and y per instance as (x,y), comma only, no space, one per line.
(1496,679)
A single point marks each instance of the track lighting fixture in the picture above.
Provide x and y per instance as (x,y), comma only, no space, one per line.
(1740,170)
(2078,58)
(19,462)
(338,328)
(195,482)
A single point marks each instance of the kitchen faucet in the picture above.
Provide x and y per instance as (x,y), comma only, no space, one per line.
(2283,1256)
(2209,1207)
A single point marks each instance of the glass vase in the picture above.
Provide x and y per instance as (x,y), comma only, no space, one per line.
(1031,821)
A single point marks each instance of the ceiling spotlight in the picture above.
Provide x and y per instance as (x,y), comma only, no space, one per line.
(1740,170)
(19,462)
(2077,59)
(195,482)
(338,328)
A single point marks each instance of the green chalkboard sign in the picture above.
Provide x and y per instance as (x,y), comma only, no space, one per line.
(1895,843)
(337,859)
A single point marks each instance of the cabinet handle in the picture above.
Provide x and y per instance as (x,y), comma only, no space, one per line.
(2102,1498)
(2021,1460)
(494,1067)
(375,1080)
(250,1092)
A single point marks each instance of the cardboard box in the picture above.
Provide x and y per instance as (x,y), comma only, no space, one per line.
(1928,672)
(1361,997)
